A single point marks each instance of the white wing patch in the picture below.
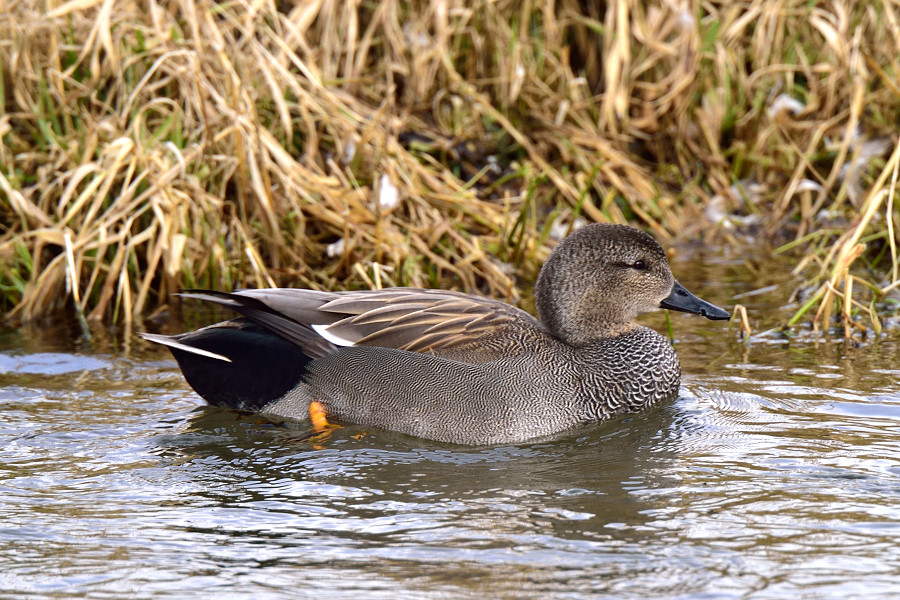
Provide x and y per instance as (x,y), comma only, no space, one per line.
(167,341)
(322,330)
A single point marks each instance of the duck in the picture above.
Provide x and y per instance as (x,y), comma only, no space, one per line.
(450,366)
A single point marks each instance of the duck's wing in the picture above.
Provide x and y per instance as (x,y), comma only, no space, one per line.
(258,311)
(427,321)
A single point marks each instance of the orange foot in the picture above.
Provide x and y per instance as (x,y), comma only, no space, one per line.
(317,417)
(321,427)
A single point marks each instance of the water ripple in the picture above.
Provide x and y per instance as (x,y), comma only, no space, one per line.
(763,480)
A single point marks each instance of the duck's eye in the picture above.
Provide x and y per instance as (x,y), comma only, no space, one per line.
(639,265)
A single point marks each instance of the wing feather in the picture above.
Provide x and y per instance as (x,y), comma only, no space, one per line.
(436,322)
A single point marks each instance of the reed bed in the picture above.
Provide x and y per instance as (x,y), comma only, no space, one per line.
(147,146)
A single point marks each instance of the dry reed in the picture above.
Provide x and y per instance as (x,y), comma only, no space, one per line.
(148,146)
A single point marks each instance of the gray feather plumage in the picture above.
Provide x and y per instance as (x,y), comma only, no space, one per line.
(464,369)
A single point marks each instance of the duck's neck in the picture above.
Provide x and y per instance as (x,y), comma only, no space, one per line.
(597,334)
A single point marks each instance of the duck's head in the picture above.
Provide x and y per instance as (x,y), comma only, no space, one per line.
(597,280)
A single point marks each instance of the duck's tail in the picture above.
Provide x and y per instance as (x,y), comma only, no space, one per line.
(237,363)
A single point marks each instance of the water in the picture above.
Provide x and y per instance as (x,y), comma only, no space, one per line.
(776,474)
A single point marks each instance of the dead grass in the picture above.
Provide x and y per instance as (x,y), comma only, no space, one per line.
(148,146)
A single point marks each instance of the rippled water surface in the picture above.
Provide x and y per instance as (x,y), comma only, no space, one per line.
(776,474)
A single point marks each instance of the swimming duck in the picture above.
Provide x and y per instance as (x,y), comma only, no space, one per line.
(450,366)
